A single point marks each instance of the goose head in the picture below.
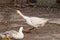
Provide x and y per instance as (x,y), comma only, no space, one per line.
(19,34)
(21,29)
(18,11)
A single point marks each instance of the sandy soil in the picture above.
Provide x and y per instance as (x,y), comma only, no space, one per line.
(9,20)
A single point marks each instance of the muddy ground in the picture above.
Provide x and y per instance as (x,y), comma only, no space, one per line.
(10,20)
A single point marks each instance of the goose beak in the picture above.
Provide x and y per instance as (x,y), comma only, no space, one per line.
(17,11)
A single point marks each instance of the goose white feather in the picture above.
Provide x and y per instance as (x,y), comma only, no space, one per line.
(14,34)
(34,21)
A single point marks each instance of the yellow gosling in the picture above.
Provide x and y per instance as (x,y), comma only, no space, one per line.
(6,38)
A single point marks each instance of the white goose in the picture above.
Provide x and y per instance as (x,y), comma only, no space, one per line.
(13,34)
(34,21)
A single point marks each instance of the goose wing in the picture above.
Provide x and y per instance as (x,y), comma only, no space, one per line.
(2,35)
(9,33)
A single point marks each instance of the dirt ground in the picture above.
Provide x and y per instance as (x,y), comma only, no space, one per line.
(10,20)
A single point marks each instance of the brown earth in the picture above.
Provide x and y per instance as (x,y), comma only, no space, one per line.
(9,20)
